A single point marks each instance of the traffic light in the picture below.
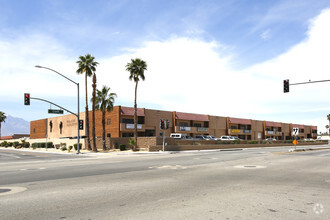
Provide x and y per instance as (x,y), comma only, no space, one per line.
(81,124)
(167,124)
(286,86)
(162,124)
(26,98)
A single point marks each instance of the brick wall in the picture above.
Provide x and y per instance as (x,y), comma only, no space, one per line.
(38,129)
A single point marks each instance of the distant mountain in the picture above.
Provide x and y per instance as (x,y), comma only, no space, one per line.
(14,125)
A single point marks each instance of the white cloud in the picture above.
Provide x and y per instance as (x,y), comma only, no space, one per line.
(188,75)
(265,35)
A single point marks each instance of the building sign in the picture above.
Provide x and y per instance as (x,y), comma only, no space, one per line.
(246,131)
(131,126)
(235,130)
(201,129)
(181,128)
(270,132)
(71,123)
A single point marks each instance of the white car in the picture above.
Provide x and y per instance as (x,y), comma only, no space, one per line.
(225,138)
(270,139)
(233,138)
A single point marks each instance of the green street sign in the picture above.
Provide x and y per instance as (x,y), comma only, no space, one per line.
(55,111)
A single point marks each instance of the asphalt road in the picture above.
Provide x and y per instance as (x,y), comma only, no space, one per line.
(265,183)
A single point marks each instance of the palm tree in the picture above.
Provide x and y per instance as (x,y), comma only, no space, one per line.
(136,68)
(2,119)
(328,117)
(93,110)
(86,64)
(327,127)
(104,101)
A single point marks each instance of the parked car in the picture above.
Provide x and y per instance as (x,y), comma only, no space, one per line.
(179,136)
(309,139)
(209,137)
(201,137)
(233,138)
(225,138)
(270,139)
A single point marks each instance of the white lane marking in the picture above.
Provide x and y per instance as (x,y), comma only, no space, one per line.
(172,167)
(13,189)
(9,155)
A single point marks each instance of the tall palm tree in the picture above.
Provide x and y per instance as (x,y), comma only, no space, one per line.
(2,119)
(104,101)
(93,110)
(328,117)
(327,127)
(136,68)
(87,65)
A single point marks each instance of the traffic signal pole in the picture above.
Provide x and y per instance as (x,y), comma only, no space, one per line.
(78,136)
(287,84)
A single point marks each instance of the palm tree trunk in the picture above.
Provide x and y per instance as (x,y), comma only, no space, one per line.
(0,130)
(103,133)
(87,118)
(135,118)
(93,109)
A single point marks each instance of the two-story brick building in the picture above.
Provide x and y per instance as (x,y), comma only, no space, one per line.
(120,123)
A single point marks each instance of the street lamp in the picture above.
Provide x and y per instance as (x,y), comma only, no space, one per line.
(78,147)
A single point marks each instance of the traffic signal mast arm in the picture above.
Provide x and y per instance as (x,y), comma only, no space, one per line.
(55,105)
(286,84)
(292,84)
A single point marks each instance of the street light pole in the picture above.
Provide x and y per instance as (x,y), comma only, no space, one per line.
(78,137)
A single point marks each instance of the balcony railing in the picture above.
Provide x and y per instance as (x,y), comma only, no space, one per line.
(273,133)
(130,127)
(191,129)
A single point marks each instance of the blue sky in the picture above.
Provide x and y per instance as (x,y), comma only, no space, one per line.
(224,58)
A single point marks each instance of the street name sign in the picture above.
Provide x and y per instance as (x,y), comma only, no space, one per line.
(55,111)
(295,131)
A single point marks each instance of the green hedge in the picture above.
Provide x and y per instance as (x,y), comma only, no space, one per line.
(26,145)
(75,146)
(122,147)
(252,142)
(43,145)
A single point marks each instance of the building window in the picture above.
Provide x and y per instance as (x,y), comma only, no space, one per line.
(127,121)
(34,130)
(197,125)
(108,121)
(51,126)
(108,135)
(183,124)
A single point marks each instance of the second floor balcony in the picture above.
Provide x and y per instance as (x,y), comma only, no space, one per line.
(130,127)
(187,129)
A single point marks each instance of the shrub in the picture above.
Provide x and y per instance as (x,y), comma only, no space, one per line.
(15,144)
(75,146)
(122,147)
(34,146)
(116,145)
(10,144)
(237,141)
(197,143)
(4,144)
(252,142)
(223,142)
(25,144)
(265,142)
(63,148)
(70,148)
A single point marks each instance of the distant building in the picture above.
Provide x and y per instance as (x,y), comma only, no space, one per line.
(15,136)
(120,123)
